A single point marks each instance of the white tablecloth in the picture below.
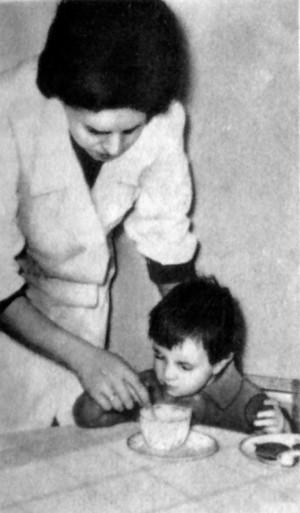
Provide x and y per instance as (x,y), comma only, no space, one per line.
(69,470)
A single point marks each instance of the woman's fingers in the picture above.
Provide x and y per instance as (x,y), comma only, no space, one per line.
(135,395)
(137,390)
(109,399)
(130,391)
(103,401)
(108,393)
(111,381)
(123,392)
(127,384)
(120,393)
(116,402)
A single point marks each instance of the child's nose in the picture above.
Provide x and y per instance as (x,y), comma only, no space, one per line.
(169,373)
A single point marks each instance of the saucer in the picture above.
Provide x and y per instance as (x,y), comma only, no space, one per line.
(248,446)
(198,445)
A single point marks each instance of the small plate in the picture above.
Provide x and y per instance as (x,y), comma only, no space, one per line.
(198,445)
(248,446)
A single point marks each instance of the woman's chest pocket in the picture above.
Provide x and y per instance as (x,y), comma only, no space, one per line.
(59,225)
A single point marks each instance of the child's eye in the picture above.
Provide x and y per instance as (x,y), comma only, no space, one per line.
(185,367)
(158,356)
(92,130)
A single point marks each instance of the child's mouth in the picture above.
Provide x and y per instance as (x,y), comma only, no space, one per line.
(170,388)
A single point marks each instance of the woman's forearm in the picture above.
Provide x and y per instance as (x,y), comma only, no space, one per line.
(27,325)
(104,375)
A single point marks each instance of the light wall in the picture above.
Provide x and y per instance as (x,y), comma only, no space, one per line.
(244,151)
(244,148)
(23,29)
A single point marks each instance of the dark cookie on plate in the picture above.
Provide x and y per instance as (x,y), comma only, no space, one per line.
(270,450)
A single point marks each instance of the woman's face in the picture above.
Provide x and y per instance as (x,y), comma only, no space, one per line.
(107,134)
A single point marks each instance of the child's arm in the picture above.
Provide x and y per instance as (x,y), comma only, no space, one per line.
(271,419)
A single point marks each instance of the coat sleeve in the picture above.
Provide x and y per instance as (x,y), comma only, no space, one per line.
(159,222)
(12,240)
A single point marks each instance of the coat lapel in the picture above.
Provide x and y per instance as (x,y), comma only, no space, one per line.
(64,233)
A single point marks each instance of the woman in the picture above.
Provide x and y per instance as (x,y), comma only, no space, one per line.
(91,135)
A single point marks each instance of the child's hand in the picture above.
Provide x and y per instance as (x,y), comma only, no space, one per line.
(271,419)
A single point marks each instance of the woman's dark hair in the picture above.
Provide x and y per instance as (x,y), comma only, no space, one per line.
(103,54)
(200,309)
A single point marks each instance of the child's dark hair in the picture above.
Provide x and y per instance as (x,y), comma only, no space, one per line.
(106,54)
(200,309)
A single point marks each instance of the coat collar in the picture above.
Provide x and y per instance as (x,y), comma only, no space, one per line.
(55,162)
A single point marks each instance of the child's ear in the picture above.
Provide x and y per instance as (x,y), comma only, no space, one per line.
(219,366)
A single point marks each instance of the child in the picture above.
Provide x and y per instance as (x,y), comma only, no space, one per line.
(195,344)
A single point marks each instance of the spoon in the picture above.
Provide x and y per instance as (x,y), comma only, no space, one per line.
(151,392)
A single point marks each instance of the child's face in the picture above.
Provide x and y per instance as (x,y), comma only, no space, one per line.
(107,134)
(184,369)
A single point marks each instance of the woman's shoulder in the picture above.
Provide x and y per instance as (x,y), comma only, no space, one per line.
(164,132)
(171,122)
(177,113)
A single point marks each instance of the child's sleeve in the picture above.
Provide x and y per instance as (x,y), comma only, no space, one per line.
(159,223)
(226,401)
(242,412)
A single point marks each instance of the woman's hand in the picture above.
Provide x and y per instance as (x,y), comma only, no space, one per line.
(104,375)
(271,419)
(110,380)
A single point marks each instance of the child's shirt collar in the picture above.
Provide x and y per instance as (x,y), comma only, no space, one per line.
(225,388)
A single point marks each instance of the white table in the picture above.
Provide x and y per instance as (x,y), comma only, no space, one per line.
(69,470)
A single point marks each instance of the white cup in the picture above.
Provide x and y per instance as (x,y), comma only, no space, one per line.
(165,427)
